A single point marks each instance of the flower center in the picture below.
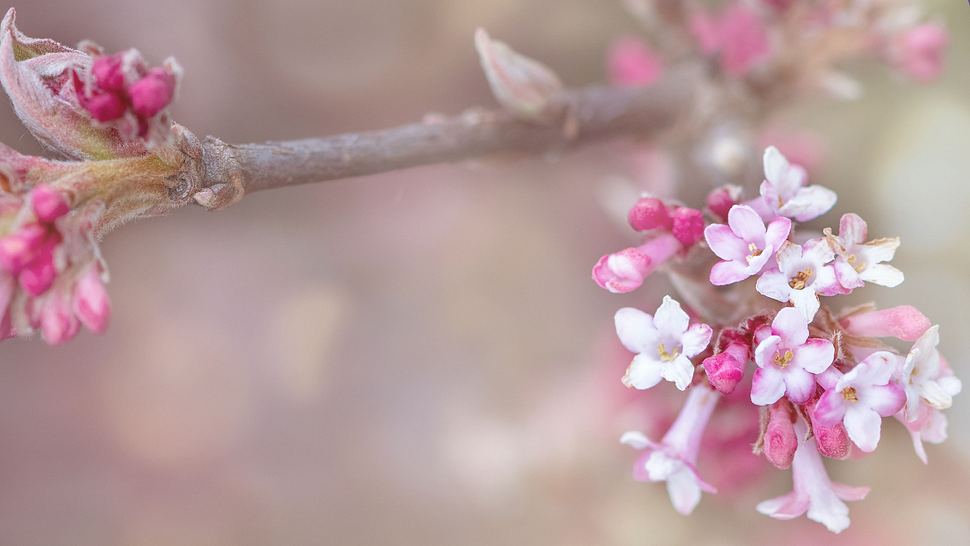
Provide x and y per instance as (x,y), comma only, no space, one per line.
(664,355)
(800,279)
(850,395)
(753,252)
(782,360)
(856,263)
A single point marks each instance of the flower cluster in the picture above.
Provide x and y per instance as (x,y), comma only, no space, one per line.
(823,380)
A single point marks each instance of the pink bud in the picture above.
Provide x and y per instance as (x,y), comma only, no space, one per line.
(726,369)
(721,199)
(633,63)
(37,276)
(904,322)
(108,73)
(688,226)
(153,93)
(918,52)
(624,271)
(21,247)
(91,303)
(48,203)
(649,213)
(832,441)
(104,108)
(57,323)
(780,441)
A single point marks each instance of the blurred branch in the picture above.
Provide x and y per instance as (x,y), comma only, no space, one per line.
(225,172)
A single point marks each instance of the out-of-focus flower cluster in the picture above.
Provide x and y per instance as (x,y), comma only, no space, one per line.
(823,379)
(108,114)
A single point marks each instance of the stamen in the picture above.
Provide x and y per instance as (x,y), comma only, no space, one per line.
(753,252)
(800,279)
(664,355)
(850,395)
(783,360)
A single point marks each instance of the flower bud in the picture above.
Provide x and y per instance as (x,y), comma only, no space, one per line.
(38,276)
(57,322)
(726,369)
(524,87)
(632,63)
(20,248)
(780,441)
(688,226)
(721,199)
(649,213)
(108,73)
(153,93)
(832,440)
(904,322)
(91,303)
(48,203)
(624,271)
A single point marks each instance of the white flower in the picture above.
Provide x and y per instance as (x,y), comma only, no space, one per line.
(860,262)
(924,376)
(664,344)
(785,193)
(803,273)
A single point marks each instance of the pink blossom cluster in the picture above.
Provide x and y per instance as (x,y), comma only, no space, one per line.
(747,39)
(50,276)
(823,380)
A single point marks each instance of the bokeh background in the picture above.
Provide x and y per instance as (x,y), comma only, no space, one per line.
(420,357)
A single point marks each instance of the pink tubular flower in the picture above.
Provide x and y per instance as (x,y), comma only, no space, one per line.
(674,459)
(918,52)
(90,301)
(664,344)
(624,271)
(779,438)
(784,192)
(632,63)
(803,274)
(924,377)
(904,322)
(813,491)
(744,245)
(788,360)
(860,399)
(860,262)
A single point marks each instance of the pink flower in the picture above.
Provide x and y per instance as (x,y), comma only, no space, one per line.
(57,321)
(813,491)
(624,271)
(928,426)
(924,376)
(664,344)
(633,63)
(744,245)
(788,360)
(779,437)
(803,273)
(90,302)
(904,322)
(918,52)
(860,262)
(784,191)
(674,459)
(860,399)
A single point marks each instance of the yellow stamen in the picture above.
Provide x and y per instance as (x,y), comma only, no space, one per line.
(850,395)
(783,360)
(664,355)
(800,279)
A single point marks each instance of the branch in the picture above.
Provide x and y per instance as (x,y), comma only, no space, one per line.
(226,172)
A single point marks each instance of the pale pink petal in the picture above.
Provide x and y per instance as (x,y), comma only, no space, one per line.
(774,285)
(886,400)
(680,371)
(767,387)
(636,440)
(670,319)
(724,243)
(863,425)
(789,257)
(846,275)
(876,369)
(684,491)
(747,224)
(918,446)
(826,508)
(883,275)
(788,506)
(724,273)
(809,203)
(805,301)
(935,396)
(635,330)
(881,250)
(950,385)
(643,373)
(825,282)
(815,356)
(777,232)
(850,492)
(696,339)
(765,351)
(852,228)
(776,166)
(830,408)
(818,252)
(799,385)
(791,326)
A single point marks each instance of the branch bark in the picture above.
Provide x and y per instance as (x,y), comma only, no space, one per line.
(227,171)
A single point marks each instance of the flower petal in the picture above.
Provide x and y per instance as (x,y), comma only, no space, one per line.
(680,371)
(789,256)
(863,425)
(799,385)
(806,302)
(635,330)
(846,275)
(724,243)
(815,356)
(791,326)
(670,320)
(935,396)
(830,408)
(850,492)
(788,506)
(774,285)
(880,250)
(809,203)
(684,491)
(747,224)
(776,165)
(818,252)
(765,351)
(644,372)
(853,229)
(696,339)
(635,439)
(724,273)
(767,387)
(883,275)
(777,232)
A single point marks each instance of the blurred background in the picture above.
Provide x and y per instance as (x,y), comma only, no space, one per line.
(420,357)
